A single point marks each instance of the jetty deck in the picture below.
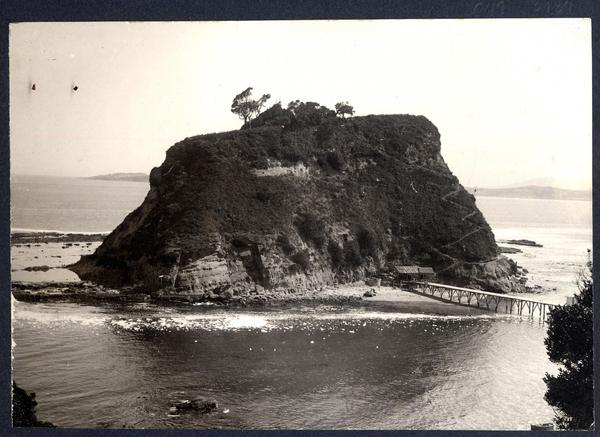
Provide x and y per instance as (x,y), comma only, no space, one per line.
(487,300)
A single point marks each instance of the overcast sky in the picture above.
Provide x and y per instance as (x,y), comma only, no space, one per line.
(512,98)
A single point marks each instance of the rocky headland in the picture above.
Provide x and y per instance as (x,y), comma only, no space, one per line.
(301,200)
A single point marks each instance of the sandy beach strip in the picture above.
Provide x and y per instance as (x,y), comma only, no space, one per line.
(397,299)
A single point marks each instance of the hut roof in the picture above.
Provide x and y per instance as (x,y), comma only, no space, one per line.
(428,270)
(407,269)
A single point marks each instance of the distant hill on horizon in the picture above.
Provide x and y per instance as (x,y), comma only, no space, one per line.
(133,177)
(533,192)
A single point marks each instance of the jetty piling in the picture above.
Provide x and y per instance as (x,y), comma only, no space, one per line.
(483,299)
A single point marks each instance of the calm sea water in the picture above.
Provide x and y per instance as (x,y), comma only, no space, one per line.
(72,204)
(296,367)
(307,367)
(563,227)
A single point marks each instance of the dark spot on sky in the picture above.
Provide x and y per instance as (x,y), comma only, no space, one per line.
(33,87)
(75,88)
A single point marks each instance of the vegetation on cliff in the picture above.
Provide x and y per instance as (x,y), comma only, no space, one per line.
(23,409)
(302,198)
(570,344)
(245,107)
(344,108)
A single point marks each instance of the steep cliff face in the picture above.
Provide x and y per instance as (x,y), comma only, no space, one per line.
(301,199)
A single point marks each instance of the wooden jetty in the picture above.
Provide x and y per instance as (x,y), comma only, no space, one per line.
(483,299)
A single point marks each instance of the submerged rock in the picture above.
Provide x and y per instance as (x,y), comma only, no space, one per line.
(370,293)
(522,243)
(549,426)
(199,404)
(502,249)
(300,200)
(37,268)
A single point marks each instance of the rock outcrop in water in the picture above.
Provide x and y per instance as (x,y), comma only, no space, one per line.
(300,200)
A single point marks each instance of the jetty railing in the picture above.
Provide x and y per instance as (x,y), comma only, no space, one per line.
(483,299)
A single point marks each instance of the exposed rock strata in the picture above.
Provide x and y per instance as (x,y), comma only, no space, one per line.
(301,201)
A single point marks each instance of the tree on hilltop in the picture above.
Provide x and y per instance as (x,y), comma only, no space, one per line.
(309,113)
(570,344)
(344,108)
(245,107)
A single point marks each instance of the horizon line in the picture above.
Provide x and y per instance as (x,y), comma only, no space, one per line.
(523,184)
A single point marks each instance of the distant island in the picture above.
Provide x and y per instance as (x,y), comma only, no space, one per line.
(533,192)
(133,177)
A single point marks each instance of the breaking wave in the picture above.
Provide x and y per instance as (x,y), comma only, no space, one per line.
(266,322)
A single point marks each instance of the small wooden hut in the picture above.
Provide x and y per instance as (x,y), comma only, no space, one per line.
(413,273)
(406,273)
(426,274)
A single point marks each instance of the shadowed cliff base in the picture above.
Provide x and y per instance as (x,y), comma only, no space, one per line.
(302,199)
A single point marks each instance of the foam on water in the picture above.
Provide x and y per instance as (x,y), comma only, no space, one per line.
(51,314)
(266,322)
(58,318)
(145,317)
(245,321)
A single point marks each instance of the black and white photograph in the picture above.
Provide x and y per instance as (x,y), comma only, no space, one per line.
(376,224)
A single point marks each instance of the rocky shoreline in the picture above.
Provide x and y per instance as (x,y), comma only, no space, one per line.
(88,292)
(352,294)
(52,290)
(43,237)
